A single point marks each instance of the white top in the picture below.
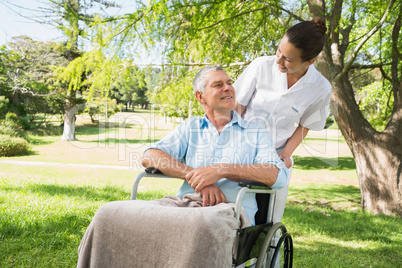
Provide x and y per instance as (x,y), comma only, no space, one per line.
(264,90)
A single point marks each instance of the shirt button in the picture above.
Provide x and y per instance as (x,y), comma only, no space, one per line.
(295,124)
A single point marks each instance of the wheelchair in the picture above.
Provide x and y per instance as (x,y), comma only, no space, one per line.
(266,244)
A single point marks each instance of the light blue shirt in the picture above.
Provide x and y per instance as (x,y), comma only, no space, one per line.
(197,143)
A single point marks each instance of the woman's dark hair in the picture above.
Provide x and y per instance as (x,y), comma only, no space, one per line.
(309,36)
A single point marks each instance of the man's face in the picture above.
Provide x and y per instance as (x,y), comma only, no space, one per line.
(219,93)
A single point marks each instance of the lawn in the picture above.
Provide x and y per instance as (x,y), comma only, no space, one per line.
(45,208)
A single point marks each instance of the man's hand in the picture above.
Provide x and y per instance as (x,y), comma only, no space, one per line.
(201,177)
(212,195)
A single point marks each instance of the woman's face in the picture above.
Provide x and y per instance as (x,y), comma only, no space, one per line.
(289,59)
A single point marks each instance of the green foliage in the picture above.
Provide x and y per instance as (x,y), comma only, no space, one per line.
(376,104)
(27,79)
(92,72)
(3,105)
(132,88)
(11,117)
(12,146)
(96,108)
(220,31)
(176,97)
(11,128)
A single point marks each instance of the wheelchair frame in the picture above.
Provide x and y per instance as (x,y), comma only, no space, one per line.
(254,242)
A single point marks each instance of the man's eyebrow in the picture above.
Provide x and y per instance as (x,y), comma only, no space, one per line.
(220,81)
(216,82)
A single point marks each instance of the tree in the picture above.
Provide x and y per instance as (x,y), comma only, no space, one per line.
(27,79)
(132,88)
(377,154)
(174,102)
(72,17)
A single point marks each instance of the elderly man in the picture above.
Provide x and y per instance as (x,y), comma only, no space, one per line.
(196,227)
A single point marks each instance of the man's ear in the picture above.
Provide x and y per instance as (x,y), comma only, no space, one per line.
(199,97)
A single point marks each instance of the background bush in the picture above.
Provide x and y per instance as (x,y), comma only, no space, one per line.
(11,128)
(11,146)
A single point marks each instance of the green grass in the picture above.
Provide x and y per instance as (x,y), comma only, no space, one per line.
(330,230)
(43,219)
(315,163)
(42,223)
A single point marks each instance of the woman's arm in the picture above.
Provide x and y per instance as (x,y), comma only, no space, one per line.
(240,109)
(294,141)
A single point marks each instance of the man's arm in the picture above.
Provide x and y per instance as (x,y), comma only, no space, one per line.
(172,167)
(203,176)
(166,163)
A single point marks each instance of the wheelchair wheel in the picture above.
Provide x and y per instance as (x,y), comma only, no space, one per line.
(277,250)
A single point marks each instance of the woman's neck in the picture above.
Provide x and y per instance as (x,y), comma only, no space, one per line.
(294,77)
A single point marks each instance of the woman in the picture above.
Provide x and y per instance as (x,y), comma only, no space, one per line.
(286,93)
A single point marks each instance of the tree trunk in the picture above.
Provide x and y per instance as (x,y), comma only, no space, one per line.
(378,165)
(69,122)
(377,154)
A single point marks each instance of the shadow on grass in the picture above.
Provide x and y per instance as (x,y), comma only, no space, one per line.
(310,191)
(315,163)
(321,233)
(312,206)
(30,152)
(41,141)
(109,126)
(342,225)
(341,140)
(104,193)
(322,254)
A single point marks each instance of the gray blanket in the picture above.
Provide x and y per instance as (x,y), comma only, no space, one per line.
(168,232)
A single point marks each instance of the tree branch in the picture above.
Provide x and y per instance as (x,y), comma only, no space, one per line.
(370,66)
(385,75)
(231,18)
(364,40)
(290,14)
(190,64)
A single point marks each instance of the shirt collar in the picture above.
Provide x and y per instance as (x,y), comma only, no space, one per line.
(236,119)
(310,76)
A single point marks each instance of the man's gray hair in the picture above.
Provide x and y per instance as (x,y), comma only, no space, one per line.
(199,82)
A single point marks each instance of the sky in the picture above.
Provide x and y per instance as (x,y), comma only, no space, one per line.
(11,24)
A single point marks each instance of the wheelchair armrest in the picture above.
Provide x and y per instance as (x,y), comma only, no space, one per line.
(253,184)
(152,170)
(148,172)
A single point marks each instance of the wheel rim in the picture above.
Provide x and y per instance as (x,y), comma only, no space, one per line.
(285,256)
(267,246)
